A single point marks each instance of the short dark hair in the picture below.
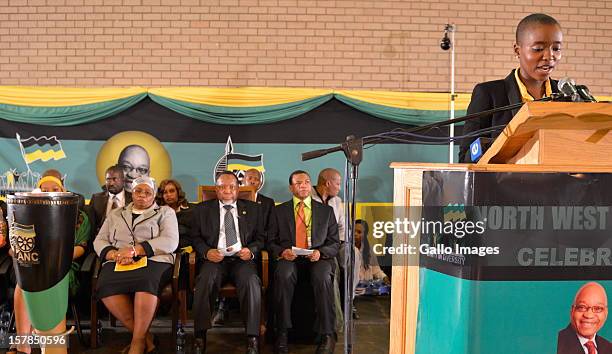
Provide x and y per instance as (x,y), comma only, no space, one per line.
(533,19)
(115,168)
(227,173)
(297,172)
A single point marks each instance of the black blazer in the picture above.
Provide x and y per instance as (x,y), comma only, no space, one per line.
(267,212)
(324,232)
(568,343)
(205,226)
(96,212)
(486,96)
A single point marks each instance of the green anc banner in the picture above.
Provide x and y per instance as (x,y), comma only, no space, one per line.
(190,133)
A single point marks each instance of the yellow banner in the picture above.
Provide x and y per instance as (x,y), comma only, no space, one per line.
(63,96)
(239,97)
(429,101)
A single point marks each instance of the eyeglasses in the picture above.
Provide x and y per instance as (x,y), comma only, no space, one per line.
(127,169)
(144,192)
(231,187)
(585,308)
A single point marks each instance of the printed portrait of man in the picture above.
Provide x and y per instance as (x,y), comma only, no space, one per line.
(135,162)
(588,315)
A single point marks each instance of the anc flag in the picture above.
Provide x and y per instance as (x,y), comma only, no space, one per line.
(42,148)
(239,163)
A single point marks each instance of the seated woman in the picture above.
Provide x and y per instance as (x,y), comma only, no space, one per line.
(136,244)
(538,47)
(81,238)
(368,263)
(171,193)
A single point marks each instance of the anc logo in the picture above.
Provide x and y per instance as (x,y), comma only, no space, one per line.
(239,163)
(23,244)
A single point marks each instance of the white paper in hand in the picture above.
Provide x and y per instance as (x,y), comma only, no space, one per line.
(230,251)
(301,251)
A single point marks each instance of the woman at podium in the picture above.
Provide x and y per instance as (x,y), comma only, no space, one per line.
(538,48)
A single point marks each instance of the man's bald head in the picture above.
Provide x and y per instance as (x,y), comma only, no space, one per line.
(330,180)
(589,310)
(135,162)
(253,177)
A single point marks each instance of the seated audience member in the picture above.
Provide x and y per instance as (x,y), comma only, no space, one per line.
(227,234)
(113,197)
(51,183)
(136,244)
(307,224)
(253,178)
(171,193)
(57,174)
(365,258)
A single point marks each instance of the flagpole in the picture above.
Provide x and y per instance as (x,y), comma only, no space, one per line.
(23,152)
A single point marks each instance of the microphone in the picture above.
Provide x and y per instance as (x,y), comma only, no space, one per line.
(585,94)
(445,42)
(567,86)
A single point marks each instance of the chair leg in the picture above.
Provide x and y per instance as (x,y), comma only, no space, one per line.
(93,337)
(175,316)
(263,320)
(75,315)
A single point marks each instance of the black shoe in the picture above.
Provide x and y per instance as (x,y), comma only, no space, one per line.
(281,346)
(199,346)
(327,345)
(252,345)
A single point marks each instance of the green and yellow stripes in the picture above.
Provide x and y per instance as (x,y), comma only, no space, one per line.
(234,111)
(61,106)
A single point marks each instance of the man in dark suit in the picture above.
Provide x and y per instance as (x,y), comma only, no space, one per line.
(587,316)
(254,178)
(114,197)
(306,224)
(227,234)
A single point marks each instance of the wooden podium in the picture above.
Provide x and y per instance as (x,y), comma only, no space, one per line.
(544,137)
(555,133)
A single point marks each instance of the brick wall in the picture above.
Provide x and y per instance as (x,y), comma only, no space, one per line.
(353,44)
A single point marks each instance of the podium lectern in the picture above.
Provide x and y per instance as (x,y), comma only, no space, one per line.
(550,154)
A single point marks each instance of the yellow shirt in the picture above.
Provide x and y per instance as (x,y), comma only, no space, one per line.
(307,215)
(525,95)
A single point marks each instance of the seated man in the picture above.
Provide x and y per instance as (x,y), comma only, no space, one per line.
(306,224)
(227,233)
(101,204)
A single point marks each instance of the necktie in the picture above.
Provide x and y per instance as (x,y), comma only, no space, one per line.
(230,228)
(115,203)
(591,347)
(301,232)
